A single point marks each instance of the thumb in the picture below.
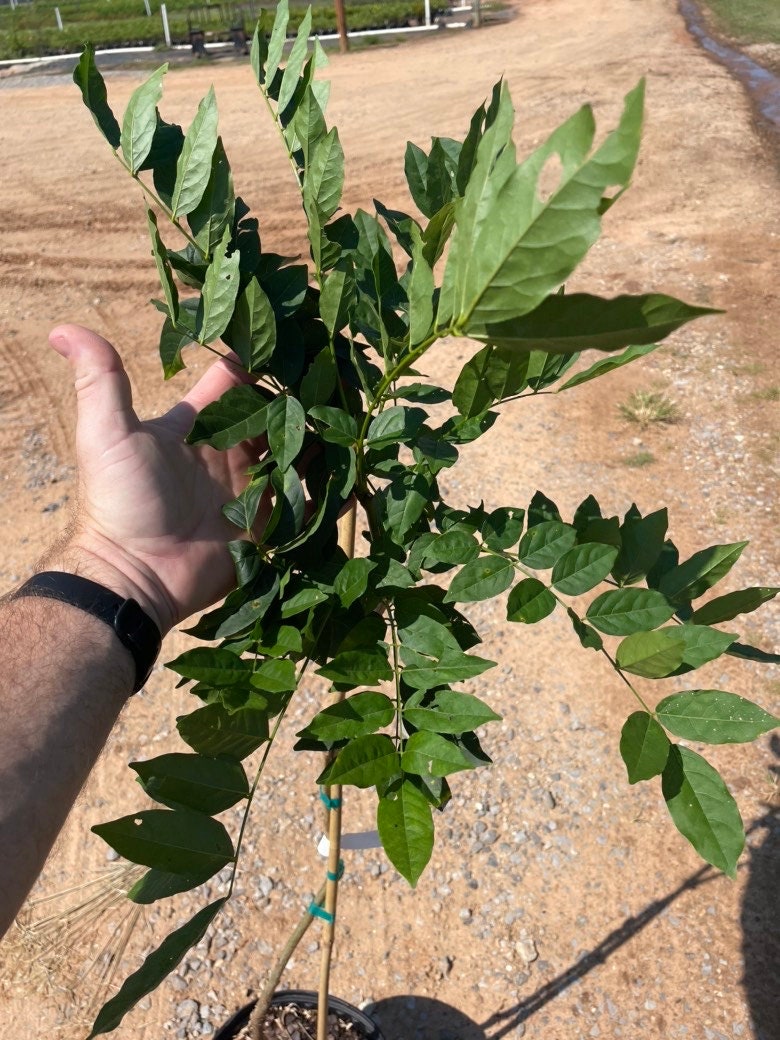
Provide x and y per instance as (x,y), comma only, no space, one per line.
(103,395)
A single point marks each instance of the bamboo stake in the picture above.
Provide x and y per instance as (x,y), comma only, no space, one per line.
(334,803)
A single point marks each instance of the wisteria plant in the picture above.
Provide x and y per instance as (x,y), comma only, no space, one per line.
(350,436)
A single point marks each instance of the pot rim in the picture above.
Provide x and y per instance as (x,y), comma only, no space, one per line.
(304,998)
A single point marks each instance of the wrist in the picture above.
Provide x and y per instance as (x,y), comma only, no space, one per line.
(95,558)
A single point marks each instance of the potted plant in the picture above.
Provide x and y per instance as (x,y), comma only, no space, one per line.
(350,438)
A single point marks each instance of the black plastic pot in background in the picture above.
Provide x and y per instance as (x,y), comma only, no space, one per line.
(302,998)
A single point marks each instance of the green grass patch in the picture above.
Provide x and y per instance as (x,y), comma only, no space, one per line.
(749,21)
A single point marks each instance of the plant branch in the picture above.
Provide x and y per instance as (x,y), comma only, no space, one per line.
(159,202)
(265,996)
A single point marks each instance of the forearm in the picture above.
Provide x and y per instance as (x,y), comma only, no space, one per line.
(65,677)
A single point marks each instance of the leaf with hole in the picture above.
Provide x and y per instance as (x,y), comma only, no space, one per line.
(180,841)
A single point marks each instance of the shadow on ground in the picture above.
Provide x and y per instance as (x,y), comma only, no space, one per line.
(432,1019)
(761,922)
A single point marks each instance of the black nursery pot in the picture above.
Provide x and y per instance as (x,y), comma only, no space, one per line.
(302,998)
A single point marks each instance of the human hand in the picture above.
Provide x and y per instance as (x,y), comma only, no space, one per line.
(148,523)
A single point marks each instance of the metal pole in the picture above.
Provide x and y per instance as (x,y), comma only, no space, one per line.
(341,23)
(427,12)
(59,19)
(166,29)
(148,9)
(476,21)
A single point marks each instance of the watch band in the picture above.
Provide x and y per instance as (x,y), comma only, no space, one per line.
(133,626)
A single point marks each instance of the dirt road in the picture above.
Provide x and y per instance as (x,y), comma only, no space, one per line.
(560,904)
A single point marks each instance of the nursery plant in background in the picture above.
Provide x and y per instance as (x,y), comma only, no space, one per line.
(351,437)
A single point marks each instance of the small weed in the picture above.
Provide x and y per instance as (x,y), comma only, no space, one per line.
(748,368)
(641,458)
(767,393)
(649,406)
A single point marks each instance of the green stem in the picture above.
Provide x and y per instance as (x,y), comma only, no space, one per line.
(396,671)
(159,202)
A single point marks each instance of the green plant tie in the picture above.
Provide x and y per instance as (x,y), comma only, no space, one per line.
(317,911)
(339,873)
(328,802)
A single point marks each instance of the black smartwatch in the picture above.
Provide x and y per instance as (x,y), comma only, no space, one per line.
(133,626)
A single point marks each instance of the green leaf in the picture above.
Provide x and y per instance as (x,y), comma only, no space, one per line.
(423,673)
(253,327)
(702,644)
(209,785)
(352,580)
(752,653)
(295,62)
(163,267)
(276,43)
(642,540)
(542,509)
(403,502)
(258,52)
(449,711)
(394,425)
(583,567)
(588,637)
(340,426)
(180,841)
(324,179)
(544,544)
(420,291)
(275,676)
(172,341)
(609,364)
(212,666)
(704,569)
(286,427)
(492,374)
(161,884)
(452,547)
(356,716)
(193,169)
(220,289)
(714,717)
(320,381)
(214,731)
(358,668)
(725,608)
(427,752)
(497,269)
(140,120)
(336,297)
(644,747)
(214,212)
(483,578)
(242,511)
(530,601)
(626,611)
(703,810)
(405,827)
(240,414)
(569,324)
(652,654)
(502,528)
(156,967)
(87,77)
(364,762)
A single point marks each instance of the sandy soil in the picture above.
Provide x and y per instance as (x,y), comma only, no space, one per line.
(560,904)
